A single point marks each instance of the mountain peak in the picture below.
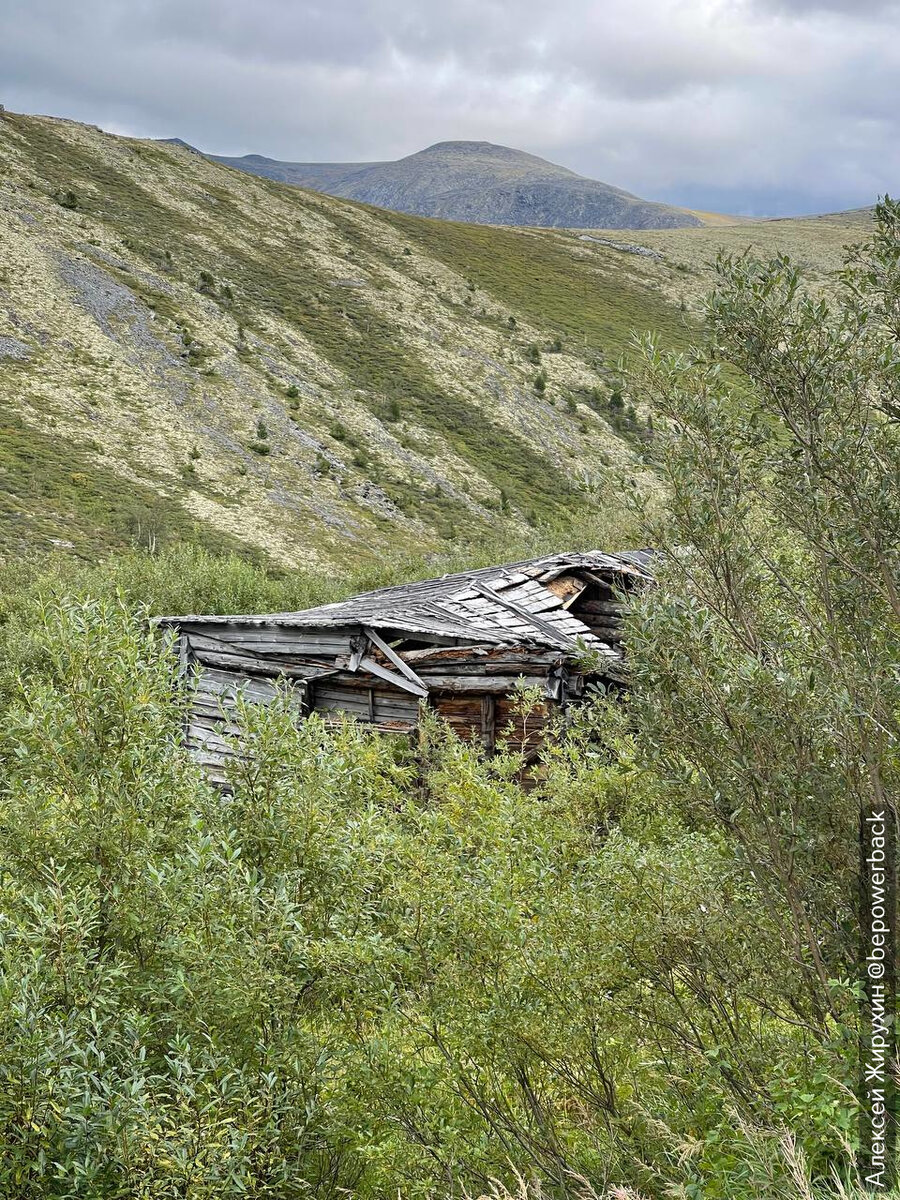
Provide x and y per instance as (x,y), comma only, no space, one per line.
(491,152)
(480,182)
(467,147)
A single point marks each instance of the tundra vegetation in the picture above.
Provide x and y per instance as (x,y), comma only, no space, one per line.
(392,360)
(378,969)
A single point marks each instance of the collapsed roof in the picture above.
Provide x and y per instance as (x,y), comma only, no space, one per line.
(520,603)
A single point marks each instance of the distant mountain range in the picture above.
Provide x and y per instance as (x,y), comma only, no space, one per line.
(477,182)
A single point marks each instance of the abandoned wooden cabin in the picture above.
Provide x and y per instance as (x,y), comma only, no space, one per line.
(461,644)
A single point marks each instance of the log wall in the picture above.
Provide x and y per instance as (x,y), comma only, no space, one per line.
(354,671)
(257,662)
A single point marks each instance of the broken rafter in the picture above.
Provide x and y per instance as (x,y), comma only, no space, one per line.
(418,689)
(391,654)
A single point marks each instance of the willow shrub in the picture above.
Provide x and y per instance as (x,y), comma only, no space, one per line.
(371,968)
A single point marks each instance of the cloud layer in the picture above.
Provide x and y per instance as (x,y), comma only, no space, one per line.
(750,106)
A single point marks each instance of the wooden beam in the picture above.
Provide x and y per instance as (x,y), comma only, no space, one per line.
(498,685)
(418,689)
(466,652)
(391,654)
(613,608)
(488,731)
(551,632)
(358,648)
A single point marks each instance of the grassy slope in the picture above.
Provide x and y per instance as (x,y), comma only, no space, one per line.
(220,358)
(817,243)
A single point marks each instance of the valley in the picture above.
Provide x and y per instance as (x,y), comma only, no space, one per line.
(190,353)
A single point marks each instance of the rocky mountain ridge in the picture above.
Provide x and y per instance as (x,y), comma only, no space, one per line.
(479,182)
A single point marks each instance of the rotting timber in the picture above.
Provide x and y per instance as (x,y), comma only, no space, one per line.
(463,644)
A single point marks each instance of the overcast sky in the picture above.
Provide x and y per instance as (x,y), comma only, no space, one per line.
(746,106)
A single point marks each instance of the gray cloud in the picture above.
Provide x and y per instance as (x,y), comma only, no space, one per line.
(745,105)
(859,10)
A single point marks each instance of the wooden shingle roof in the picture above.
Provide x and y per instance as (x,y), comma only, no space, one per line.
(500,605)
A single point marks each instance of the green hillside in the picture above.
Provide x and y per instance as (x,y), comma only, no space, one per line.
(641,964)
(190,352)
